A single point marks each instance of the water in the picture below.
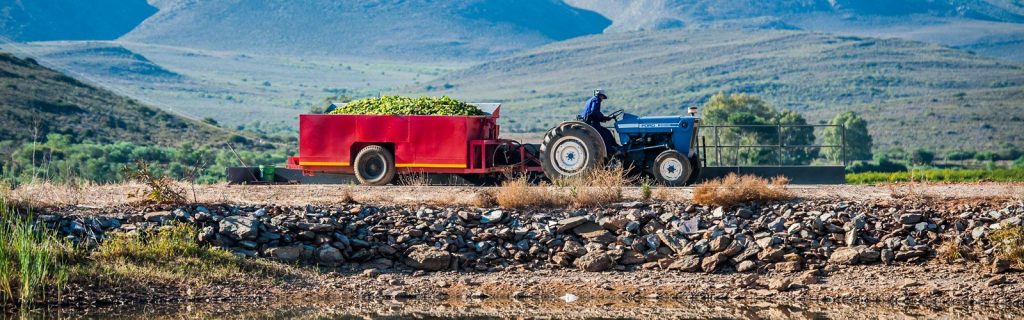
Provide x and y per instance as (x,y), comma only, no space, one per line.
(528,309)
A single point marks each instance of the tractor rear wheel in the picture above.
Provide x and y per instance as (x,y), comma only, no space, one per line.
(570,149)
(672,168)
(375,166)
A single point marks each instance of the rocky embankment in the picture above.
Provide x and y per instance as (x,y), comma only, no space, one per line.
(755,238)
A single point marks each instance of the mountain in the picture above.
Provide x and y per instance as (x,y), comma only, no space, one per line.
(38,101)
(909,91)
(43,20)
(991,27)
(404,29)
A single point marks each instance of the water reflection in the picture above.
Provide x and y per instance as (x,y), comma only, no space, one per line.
(524,309)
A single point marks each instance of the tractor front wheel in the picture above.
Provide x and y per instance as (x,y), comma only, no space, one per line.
(570,149)
(672,168)
(375,166)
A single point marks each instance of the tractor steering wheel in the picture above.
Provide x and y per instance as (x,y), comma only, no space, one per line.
(615,115)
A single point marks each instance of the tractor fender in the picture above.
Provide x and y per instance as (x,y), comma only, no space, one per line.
(588,127)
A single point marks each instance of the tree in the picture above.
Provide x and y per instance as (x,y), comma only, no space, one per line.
(922,157)
(858,140)
(745,109)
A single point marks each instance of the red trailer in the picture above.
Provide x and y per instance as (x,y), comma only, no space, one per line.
(377,147)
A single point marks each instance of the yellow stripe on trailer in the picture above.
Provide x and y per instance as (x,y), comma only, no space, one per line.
(323,164)
(431,165)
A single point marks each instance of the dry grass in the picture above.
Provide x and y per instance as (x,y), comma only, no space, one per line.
(734,189)
(485,199)
(519,193)
(952,251)
(1009,245)
(415,179)
(595,189)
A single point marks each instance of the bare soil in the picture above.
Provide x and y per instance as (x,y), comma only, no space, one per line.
(116,195)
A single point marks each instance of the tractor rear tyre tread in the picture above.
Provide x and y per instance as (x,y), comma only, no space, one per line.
(576,133)
(672,169)
(374,166)
(695,165)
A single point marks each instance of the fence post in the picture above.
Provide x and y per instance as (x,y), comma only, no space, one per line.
(781,146)
(718,148)
(845,162)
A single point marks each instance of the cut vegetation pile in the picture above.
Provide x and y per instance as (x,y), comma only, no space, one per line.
(405,106)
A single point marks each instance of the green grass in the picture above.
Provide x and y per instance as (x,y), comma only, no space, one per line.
(939,175)
(33,261)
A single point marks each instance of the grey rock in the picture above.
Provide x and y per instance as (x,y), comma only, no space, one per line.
(569,223)
(329,255)
(687,263)
(239,227)
(428,258)
(845,255)
(745,266)
(595,262)
(286,254)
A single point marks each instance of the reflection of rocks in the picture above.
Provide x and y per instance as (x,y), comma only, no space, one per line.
(784,237)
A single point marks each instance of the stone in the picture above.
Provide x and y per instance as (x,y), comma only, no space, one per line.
(569,223)
(806,279)
(869,255)
(239,227)
(286,254)
(688,263)
(1000,265)
(719,244)
(845,256)
(574,249)
(780,284)
(911,218)
(771,254)
(428,258)
(595,262)
(711,263)
(995,281)
(631,258)
(718,212)
(329,255)
(745,266)
(159,216)
(888,256)
(789,266)
(492,216)
(744,213)
(674,242)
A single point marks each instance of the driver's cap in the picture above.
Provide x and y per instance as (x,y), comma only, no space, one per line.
(600,93)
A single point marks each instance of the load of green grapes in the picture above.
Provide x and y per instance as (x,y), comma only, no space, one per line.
(405,106)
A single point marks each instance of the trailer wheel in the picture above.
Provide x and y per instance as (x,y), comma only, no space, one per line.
(672,168)
(375,166)
(570,149)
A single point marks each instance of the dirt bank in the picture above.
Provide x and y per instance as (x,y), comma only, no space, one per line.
(834,243)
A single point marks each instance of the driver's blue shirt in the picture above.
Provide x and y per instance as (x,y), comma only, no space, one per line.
(592,110)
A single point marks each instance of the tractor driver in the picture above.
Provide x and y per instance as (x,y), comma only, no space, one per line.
(592,115)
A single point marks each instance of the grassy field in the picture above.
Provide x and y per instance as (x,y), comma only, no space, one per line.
(939,175)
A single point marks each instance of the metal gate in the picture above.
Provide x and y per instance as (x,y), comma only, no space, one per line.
(795,151)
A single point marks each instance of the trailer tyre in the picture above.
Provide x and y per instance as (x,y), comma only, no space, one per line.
(570,149)
(374,166)
(672,168)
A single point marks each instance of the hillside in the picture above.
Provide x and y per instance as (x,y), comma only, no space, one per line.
(38,101)
(412,30)
(43,20)
(930,95)
(991,27)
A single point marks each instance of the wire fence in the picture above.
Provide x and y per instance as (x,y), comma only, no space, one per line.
(773,145)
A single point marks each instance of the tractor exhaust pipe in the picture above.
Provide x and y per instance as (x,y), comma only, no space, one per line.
(692,111)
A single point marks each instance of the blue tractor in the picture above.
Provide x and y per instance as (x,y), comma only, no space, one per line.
(663,147)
